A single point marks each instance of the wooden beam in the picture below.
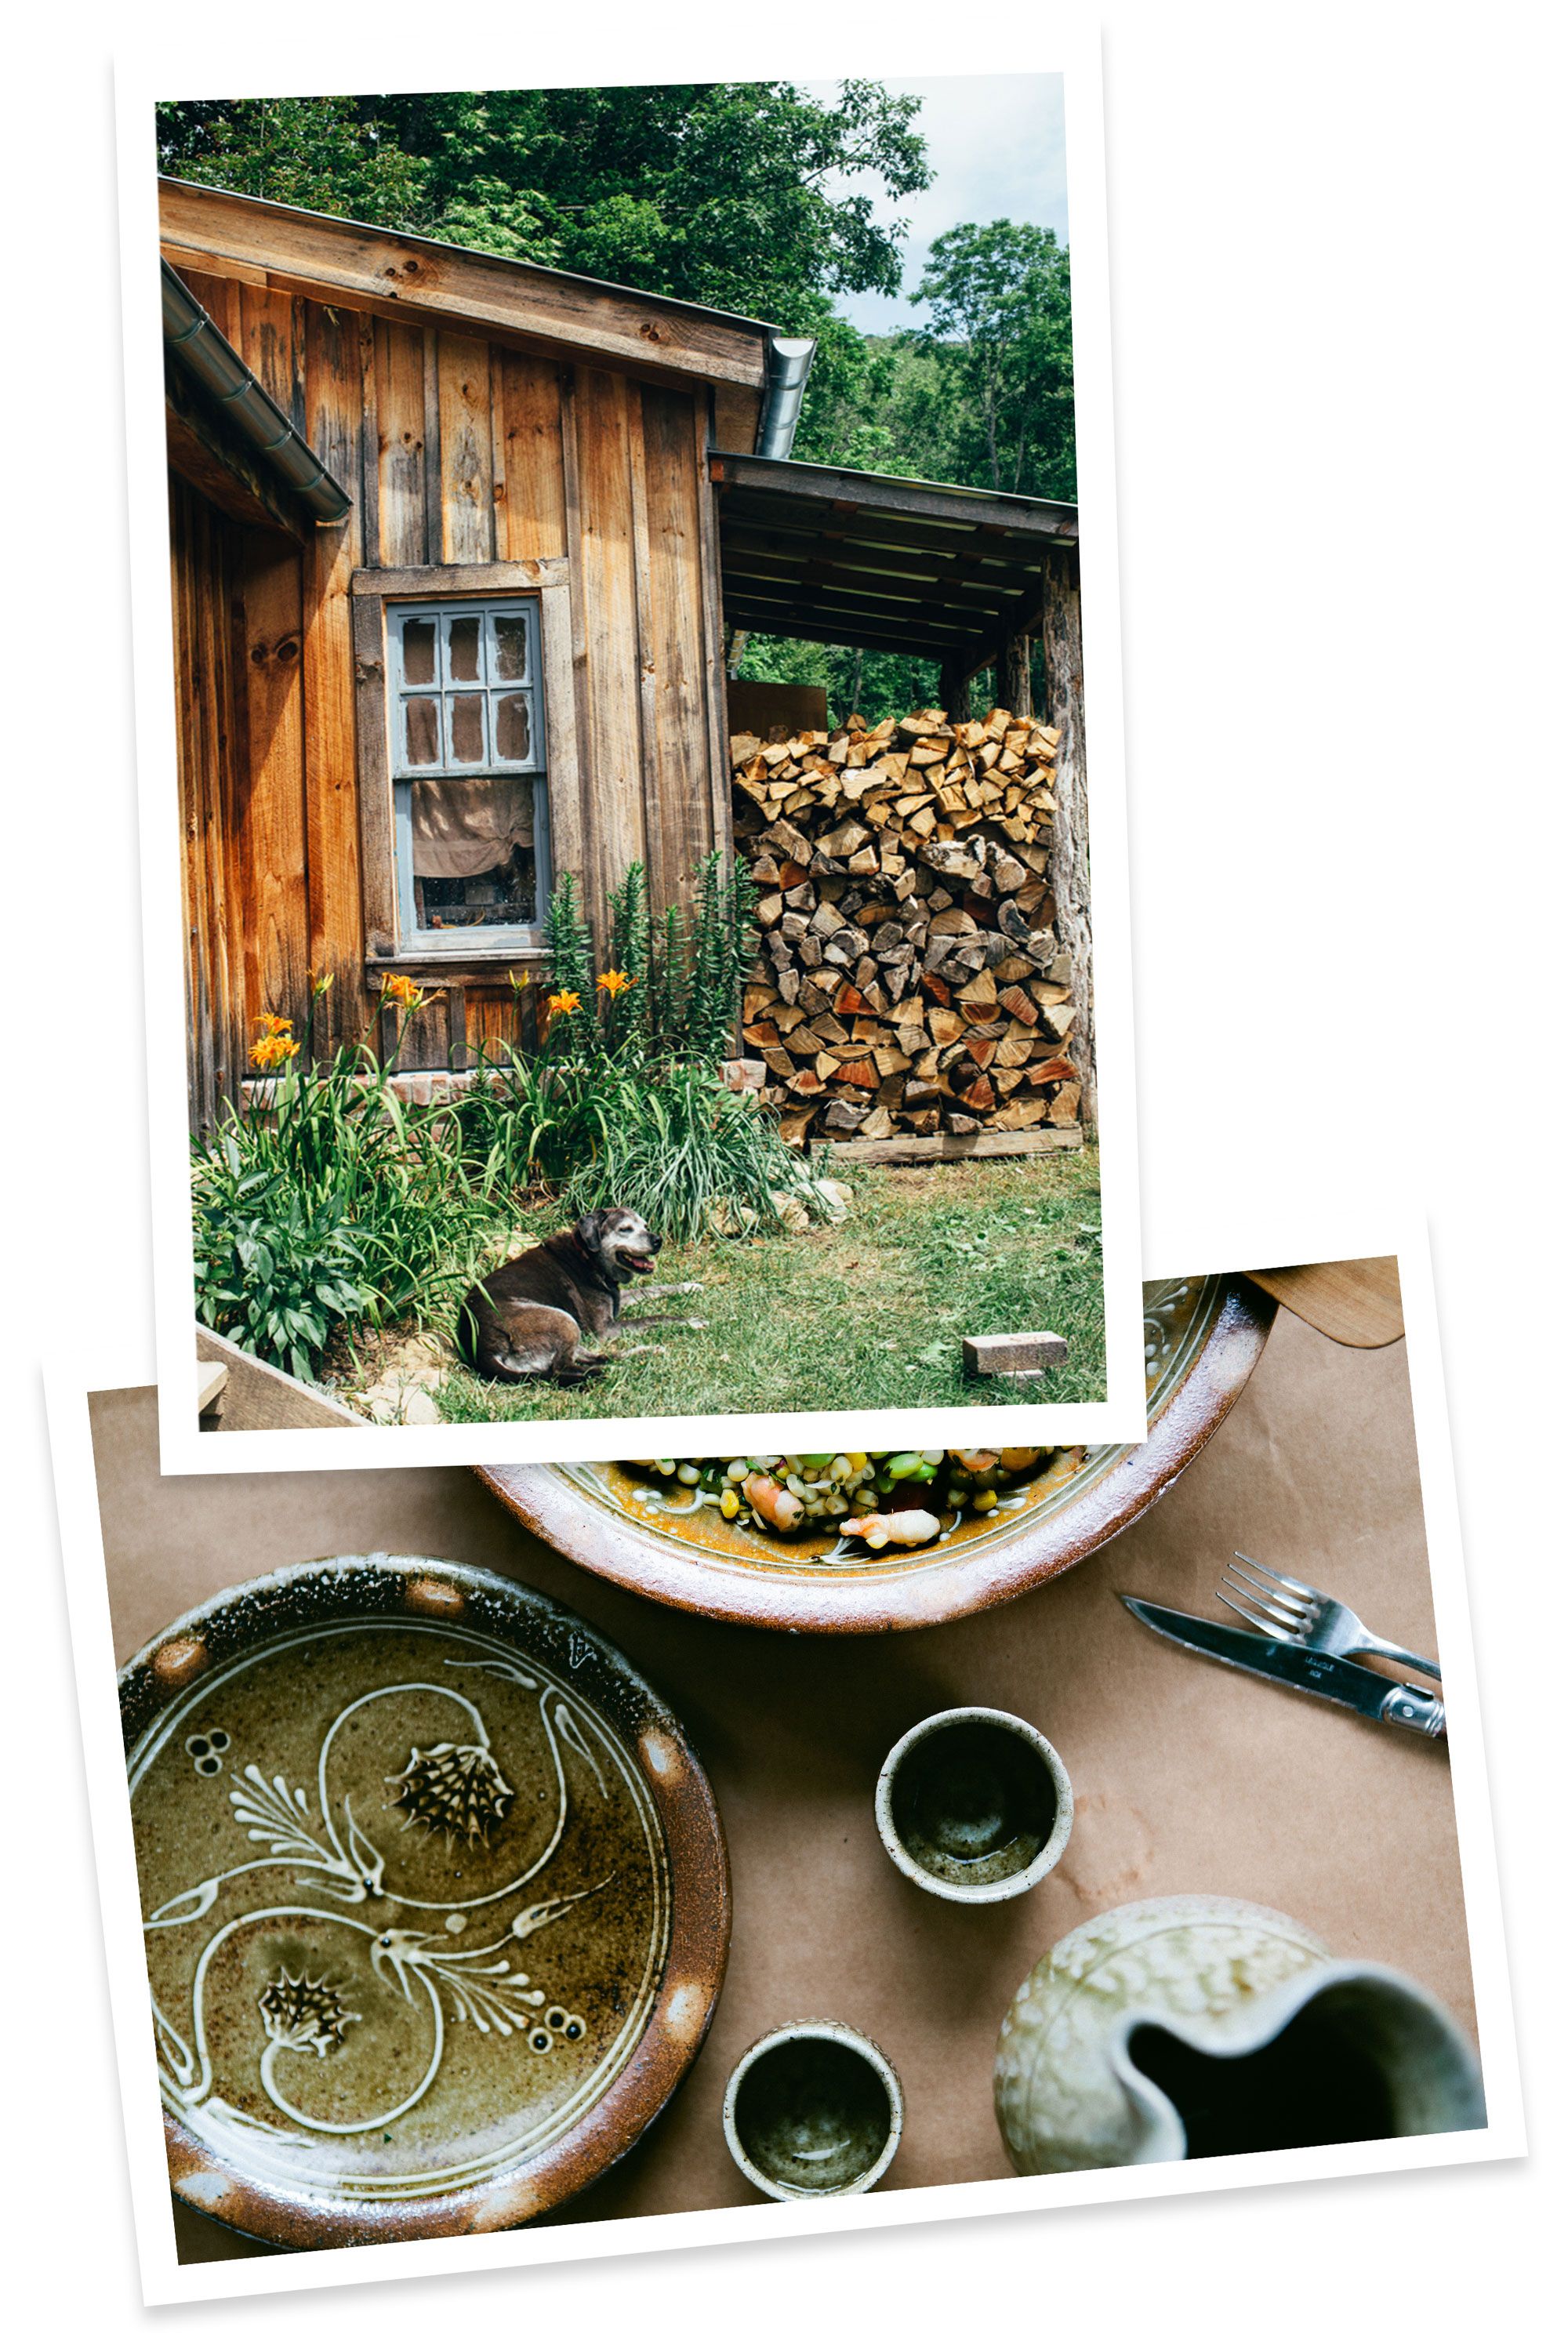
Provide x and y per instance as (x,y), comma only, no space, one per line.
(953,689)
(795,526)
(1040,519)
(1013,691)
(441,285)
(1061,641)
(513,577)
(990,1143)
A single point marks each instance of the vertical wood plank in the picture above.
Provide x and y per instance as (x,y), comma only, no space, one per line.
(433,535)
(400,435)
(607,599)
(378,883)
(681,808)
(737,412)
(207,979)
(336,430)
(1061,641)
(467,500)
(564,697)
(369,484)
(272,346)
(661,872)
(270,828)
(198,944)
(219,298)
(491,1019)
(533,519)
(718,727)
(565,631)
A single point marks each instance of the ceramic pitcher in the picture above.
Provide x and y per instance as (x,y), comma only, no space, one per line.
(1198,2026)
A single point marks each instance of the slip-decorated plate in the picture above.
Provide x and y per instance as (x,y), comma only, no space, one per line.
(435,1896)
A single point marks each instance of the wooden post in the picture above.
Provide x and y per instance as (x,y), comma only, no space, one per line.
(1013,691)
(1062,646)
(952,692)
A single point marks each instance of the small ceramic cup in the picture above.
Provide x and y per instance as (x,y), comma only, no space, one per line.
(813,2109)
(975,1805)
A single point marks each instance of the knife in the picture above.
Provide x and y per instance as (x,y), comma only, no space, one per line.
(1298,1668)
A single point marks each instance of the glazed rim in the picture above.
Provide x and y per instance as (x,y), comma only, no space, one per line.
(999,1890)
(223,1630)
(886,1596)
(816,2028)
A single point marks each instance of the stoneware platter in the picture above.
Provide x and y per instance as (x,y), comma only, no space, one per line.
(1202,1336)
(436,1900)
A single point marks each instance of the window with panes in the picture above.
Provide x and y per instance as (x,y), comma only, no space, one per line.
(470,800)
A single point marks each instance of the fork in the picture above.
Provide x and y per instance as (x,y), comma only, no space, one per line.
(1276,1604)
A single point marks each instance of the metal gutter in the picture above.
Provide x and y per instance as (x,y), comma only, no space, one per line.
(789,365)
(218,367)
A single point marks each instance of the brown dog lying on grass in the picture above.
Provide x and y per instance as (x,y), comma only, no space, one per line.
(528,1320)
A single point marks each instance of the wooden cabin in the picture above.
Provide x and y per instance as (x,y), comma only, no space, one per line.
(455,544)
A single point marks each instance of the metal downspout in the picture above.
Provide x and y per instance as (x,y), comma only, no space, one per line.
(219,369)
(789,364)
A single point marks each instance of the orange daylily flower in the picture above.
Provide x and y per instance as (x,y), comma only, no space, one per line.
(272,1052)
(276,1024)
(615,984)
(566,1000)
(400,989)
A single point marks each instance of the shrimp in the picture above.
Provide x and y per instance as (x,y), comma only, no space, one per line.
(773,1502)
(879,1527)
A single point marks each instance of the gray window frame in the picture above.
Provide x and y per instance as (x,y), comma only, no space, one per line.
(475,939)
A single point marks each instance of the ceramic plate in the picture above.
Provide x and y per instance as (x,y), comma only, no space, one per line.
(435,1896)
(1202,1335)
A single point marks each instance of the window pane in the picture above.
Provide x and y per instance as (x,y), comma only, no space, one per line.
(419,653)
(467,720)
(422,724)
(463,648)
(512,727)
(473,853)
(512,645)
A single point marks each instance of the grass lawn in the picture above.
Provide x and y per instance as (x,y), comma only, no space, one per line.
(866,1314)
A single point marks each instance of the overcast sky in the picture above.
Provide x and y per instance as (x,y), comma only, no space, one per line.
(996,146)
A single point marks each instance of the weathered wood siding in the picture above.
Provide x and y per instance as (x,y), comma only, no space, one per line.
(457,450)
(207,573)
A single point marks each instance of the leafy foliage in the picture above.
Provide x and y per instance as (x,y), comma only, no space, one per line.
(1001,337)
(750,196)
(274,1269)
(624,1102)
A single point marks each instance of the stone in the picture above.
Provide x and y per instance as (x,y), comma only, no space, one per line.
(1013,1351)
(837,1200)
(792,1211)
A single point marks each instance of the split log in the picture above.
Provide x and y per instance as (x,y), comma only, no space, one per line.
(911,979)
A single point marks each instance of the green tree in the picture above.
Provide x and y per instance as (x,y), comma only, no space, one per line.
(1001,332)
(749,196)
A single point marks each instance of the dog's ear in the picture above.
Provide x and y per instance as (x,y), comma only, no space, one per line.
(590,1230)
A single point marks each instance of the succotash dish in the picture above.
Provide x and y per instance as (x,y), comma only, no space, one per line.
(877,1499)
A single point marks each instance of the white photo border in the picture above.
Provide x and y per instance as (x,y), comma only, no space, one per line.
(1064,44)
(166,2279)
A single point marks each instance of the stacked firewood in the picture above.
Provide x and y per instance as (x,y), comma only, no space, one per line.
(908,979)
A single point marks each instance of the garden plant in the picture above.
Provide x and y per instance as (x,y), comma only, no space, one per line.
(324,1201)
